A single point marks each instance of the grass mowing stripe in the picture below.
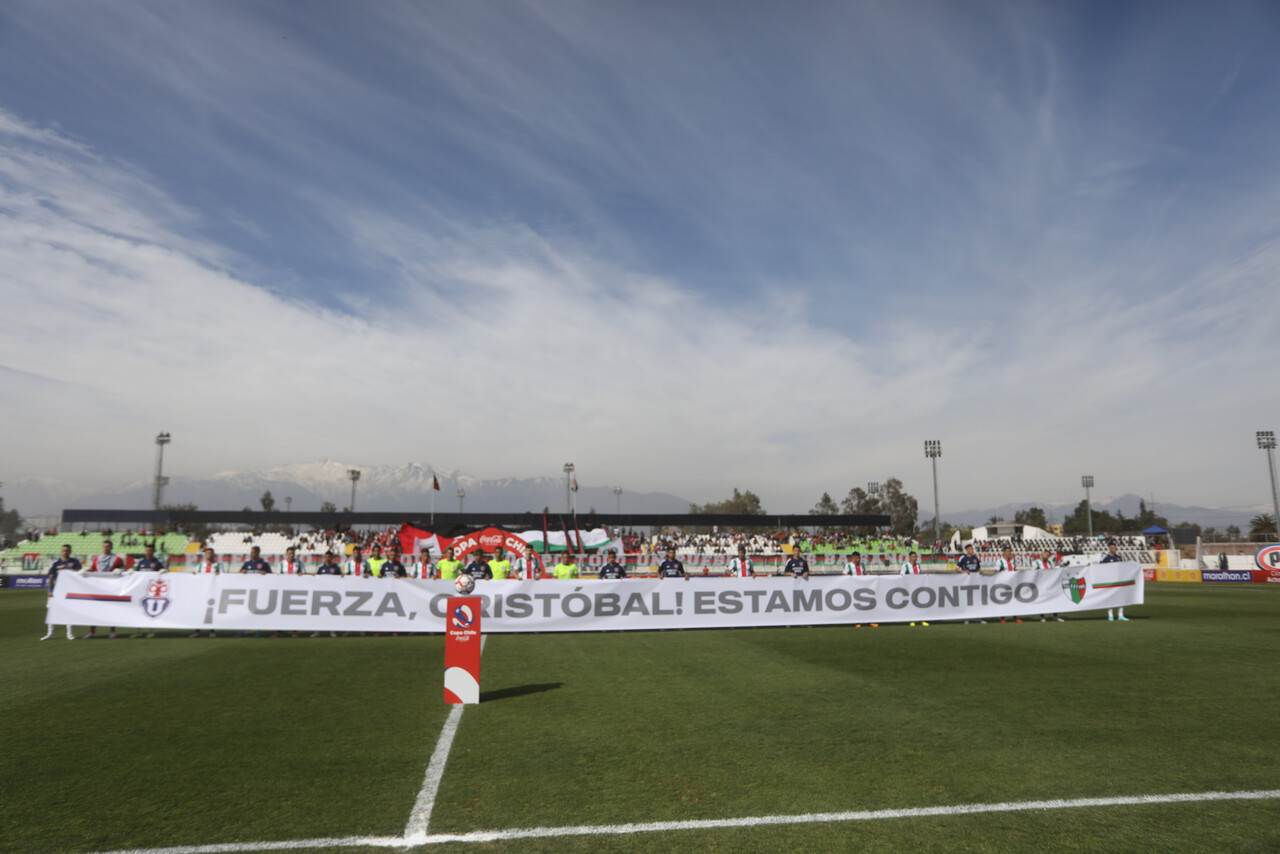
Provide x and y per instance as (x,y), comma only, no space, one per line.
(426,800)
(709,824)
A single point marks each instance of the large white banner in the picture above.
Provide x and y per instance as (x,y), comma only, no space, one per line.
(337,603)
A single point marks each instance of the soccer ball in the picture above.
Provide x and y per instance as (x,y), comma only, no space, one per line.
(464,584)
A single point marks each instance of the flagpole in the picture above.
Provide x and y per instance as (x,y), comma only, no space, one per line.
(433,501)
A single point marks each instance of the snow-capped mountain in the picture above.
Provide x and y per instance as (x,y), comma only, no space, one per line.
(402,488)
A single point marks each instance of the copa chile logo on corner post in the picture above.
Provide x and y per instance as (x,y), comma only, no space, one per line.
(463,621)
(157,599)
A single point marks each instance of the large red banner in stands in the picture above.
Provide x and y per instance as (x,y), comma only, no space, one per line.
(462,650)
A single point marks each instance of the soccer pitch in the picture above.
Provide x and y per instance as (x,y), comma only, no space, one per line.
(851,738)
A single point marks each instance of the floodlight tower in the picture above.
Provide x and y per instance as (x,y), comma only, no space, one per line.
(288,503)
(354,475)
(617,494)
(873,492)
(568,484)
(1087,482)
(462,493)
(933,450)
(1267,442)
(161,480)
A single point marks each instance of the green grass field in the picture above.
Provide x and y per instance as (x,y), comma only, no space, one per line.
(172,741)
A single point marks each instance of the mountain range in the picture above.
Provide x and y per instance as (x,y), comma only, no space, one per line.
(408,488)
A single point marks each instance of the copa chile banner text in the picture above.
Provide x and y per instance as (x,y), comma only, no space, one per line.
(336,603)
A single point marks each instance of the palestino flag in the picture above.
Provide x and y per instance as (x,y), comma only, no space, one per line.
(414,540)
(435,483)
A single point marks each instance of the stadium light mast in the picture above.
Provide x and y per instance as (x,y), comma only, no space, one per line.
(1087,482)
(288,503)
(617,494)
(873,491)
(1267,442)
(161,480)
(568,487)
(933,450)
(354,475)
(462,493)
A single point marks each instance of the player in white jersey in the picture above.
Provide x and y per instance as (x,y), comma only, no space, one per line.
(741,566)
(527,567)
(1007,563)
(108,561)
(912,567)
(855,566)
(1043,562)
(422,567)
(208,565)
(291,565)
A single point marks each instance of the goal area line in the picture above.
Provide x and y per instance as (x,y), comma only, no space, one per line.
(421,839)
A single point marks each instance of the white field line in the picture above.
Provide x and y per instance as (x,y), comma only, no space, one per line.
(420,816)
(702,824)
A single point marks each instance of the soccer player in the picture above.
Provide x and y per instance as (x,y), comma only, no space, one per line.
(566,568)
(70,564)
(330,565)
(854,566)
(613,570)
(448,565)
(1007,563)
(478,568)
(527,566)
(422,567)
(357,566)
(912,566)
(376,560)
(209,563)
(1113,556)
(393,568)
(500,566)
(1041,563)
(671,568)
(741,566)
(291,565)
(108,561)
(797,566)
(969,562)
(255,563)
(149,562)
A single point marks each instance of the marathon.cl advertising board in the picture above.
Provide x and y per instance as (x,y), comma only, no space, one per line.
(1226,575)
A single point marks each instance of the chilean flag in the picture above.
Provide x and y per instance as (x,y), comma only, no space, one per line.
(414,540)
(435,483)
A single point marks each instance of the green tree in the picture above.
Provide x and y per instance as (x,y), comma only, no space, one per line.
(742,503)
(10,521)
(1078,522)
(328,507)
(1233,533)
(268,503)
(826,506)
(901,507)
(1262,528)
(1031,516)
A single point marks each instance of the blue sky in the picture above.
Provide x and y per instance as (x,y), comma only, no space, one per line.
(688,246)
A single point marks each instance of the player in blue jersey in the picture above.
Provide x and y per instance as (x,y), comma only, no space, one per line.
(1113,556)
(797,566)
(478,568)
(672,568)
(64,562)
(255,563)
(613,570)
(329,567)
(970,564)
(149,562)
(393,568)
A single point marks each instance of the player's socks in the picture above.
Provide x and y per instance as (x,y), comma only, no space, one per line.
(48,634)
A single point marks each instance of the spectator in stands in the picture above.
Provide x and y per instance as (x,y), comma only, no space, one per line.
(291,565)
(108,561)
(357,566)
(612,570)
(1113,556)
(70,564)
(255,563)
(797,566)
(671,568)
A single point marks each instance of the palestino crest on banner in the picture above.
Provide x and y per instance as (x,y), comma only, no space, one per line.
(1075,588)
(157,598)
